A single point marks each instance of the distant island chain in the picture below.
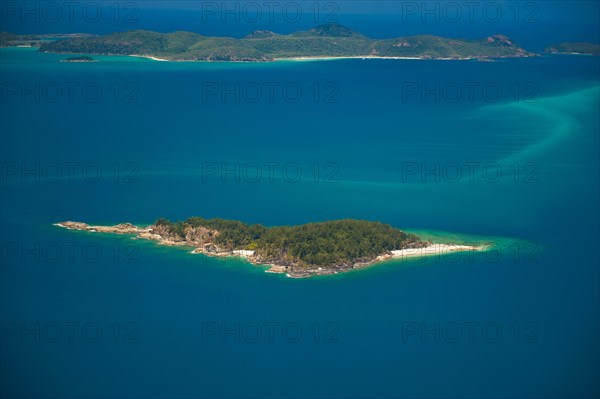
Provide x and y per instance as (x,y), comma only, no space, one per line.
(323,42)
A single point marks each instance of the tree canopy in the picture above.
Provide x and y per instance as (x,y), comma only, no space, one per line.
(314,244)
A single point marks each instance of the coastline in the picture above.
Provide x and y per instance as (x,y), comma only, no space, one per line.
(151,57)
(573,53)
(307,58)
(148,233)
(323,58)
(366,57)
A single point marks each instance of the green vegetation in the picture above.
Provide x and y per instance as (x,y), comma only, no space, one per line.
(6,39)
(10,39)
(427,46)
(326,244)
(233,234)
(126,43)
(332,243)
(83,58)
(574,48)
(325,40)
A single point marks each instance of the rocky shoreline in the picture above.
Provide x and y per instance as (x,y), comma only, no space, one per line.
(202,240)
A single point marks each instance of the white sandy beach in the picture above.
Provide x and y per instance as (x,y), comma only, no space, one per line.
(436,249)
(243,253)
(150,57)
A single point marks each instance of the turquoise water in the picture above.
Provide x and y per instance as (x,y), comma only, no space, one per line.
(364,145)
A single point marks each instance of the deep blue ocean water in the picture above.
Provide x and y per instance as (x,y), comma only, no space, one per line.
(384,140)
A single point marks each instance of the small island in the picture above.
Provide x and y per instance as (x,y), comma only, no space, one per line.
(83,58)
(298,251)
(575,48)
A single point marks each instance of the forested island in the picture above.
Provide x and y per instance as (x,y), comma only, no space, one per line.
(329,40)
(580,48)
(12,40)
(83,58)
(299,251)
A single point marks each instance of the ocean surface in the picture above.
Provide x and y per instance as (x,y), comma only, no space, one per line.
(505,152)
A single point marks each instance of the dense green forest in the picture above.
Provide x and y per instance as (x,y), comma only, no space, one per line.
(324,40)
(314,244)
